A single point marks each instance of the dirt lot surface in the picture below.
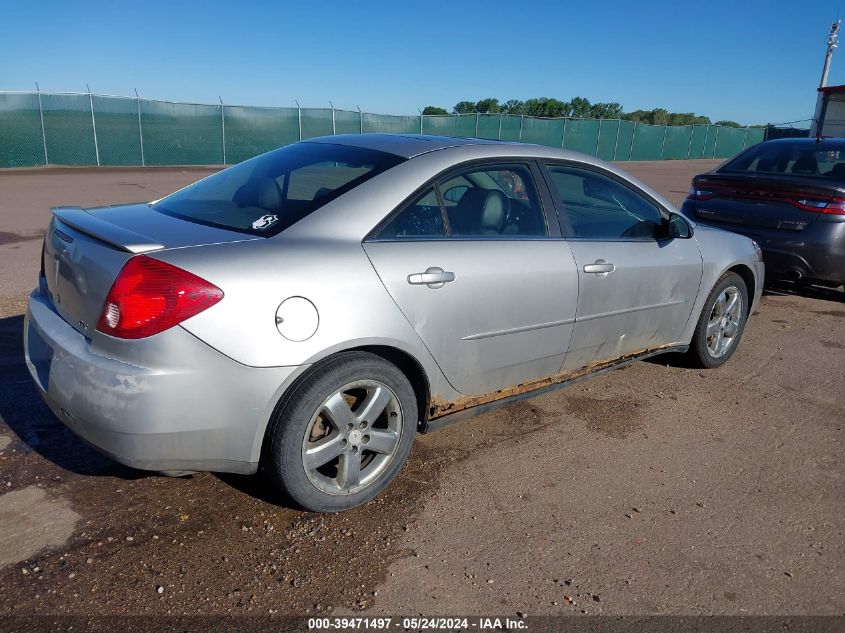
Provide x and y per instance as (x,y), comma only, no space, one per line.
(654,489)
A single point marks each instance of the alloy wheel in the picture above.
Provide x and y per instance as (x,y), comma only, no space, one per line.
(724,322)
(352,437)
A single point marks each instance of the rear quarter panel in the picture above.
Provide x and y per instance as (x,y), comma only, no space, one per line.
(336,276)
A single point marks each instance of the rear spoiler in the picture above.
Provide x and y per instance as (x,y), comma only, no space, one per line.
(107,232)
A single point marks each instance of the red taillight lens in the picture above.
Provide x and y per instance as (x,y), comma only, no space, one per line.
(810,201)
(697,192)
(150,296)
(836,207)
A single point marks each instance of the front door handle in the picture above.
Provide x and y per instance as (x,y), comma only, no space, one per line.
(600,268)
(433,277)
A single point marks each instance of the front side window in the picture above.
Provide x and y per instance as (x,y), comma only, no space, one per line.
(267,194)
(601,208)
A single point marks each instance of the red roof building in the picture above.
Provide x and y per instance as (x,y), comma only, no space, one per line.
(829,119)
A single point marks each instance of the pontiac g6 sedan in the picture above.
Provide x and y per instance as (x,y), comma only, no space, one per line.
(310,310)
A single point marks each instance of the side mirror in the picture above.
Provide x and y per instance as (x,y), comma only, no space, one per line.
(454,194)
(677,227)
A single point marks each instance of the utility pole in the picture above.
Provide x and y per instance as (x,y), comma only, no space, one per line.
(818,115)
(831,44)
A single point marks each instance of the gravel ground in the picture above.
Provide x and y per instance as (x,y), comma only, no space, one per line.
(654,489)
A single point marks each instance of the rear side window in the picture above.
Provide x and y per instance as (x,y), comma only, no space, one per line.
(791,159)
(271,192)
(601,208)
(422,219)
(493,201)
(489,202)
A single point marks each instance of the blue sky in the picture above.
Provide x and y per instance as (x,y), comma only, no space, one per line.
(748,61)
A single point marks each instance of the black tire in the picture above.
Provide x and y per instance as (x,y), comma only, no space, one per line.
(701,353)
(300,414)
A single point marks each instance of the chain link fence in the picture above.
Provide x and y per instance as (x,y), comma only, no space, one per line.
(38,128)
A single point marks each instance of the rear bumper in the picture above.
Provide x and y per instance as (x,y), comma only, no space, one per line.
(194,410)
(816,253)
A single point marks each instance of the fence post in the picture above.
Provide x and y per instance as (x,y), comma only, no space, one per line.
(421,120)
(704,144)
(500,125)
(616,144)
(598,138)
(563,133)
(360,119)
(93,125)
(334,127)
(223,128)
(745,139)
(633,136)
(689,145)
(140,129)
(476,124)
(41,115)
(663,142)
(299,117)
(521,119)
(715,141)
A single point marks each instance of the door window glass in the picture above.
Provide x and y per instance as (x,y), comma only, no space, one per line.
(420,219)
(599,207)
(493,201)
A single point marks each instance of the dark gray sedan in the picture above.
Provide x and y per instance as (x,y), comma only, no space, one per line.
(789,196)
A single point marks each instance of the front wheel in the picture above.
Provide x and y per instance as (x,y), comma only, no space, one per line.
(721,323)
(343,434)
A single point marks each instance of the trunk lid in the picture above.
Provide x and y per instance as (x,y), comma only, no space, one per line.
(84,251)
(784,203)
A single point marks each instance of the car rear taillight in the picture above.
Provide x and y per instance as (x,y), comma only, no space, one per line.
(697,192)
(150,296)
(815,202)
(834,206)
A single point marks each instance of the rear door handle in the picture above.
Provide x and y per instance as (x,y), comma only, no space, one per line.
(433,277)
(600,268)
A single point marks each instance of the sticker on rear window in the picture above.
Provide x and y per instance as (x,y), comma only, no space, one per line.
(265,222)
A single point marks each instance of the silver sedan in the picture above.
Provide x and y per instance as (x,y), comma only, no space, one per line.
(310,310)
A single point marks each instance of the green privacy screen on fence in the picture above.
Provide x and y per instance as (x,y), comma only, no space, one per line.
(82,129)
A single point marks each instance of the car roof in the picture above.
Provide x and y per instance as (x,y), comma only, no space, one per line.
(838,143)
(404,145)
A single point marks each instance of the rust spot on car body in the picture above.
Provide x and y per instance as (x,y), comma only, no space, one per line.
(440,408)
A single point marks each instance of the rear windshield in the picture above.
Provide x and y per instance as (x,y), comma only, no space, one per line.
(791,159)
(269,193)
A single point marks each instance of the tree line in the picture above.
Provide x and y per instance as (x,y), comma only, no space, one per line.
(576,107)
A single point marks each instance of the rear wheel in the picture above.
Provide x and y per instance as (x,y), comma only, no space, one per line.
(721,323)
(343,434)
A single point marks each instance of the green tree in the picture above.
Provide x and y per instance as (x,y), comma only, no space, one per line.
(489,105)
(580,107)
(431,110)
(606,110)
(464,107)
(546,107)
(727,123)
(660,116)
(513,106)
(638,116)
(687,118)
